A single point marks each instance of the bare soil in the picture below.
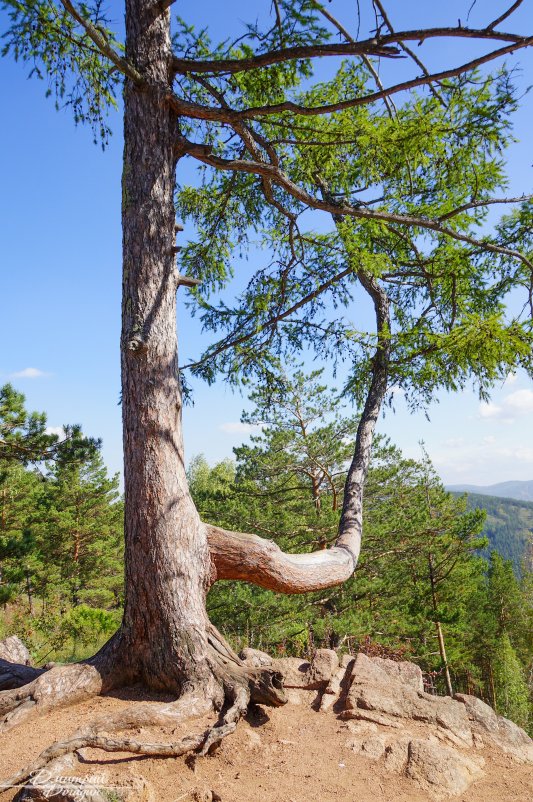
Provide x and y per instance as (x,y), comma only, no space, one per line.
(290,754)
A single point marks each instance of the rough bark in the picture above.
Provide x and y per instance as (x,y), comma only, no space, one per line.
(164,631)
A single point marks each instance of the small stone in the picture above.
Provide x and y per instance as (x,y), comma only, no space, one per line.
(253,738)
(373,747)
(396,755)
(256,658)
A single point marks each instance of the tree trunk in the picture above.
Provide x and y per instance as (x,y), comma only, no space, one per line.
(438,626)
(164,631)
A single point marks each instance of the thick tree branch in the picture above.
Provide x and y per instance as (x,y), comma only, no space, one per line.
(231,116)
(382,46)
(203,154)
(250,558)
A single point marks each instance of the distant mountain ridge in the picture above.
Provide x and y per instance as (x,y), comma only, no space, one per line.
(521,491)
(508,527)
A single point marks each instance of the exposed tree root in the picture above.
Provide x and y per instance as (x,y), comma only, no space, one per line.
(97,734)
(62,685)
(15,675)
(228,722)
(231,687)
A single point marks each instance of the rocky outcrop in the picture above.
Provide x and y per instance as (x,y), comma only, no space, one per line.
(382,695)
(441,770)
(505,734)
(435,741)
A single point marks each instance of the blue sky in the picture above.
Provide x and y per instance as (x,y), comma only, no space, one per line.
(60,276)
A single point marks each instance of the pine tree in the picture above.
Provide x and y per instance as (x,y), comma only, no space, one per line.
(80,536)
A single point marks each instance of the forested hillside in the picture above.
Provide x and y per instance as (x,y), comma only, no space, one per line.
(508,527)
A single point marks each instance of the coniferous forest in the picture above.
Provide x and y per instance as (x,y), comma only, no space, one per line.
(431,587)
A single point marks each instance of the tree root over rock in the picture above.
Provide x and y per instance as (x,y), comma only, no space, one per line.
(231,688)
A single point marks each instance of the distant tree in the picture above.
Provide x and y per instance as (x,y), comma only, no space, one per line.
(512,696)
(20,491)
(24,438)
(79,536)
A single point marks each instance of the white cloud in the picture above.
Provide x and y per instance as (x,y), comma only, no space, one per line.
(489,410)
(56,430)
(520,401)
(454,442)
(518,454)
(511,379)
(29,373)
(489,440)
(238,427)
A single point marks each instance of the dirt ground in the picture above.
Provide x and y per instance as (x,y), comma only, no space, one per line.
(290,754)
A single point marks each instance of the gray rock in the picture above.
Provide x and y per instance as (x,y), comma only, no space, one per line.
(504,733)
(397,755)
(408,673)
(295,672)
(374,689)
(323,667)
(13,650)
(440,770)
(373,747)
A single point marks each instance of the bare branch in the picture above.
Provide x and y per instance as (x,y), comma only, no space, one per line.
(504,16)
(487,202)
(342,30)
(405,48)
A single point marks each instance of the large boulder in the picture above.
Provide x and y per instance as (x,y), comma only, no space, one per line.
(15,664)
(297,673)
(14,651)
(386,693)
